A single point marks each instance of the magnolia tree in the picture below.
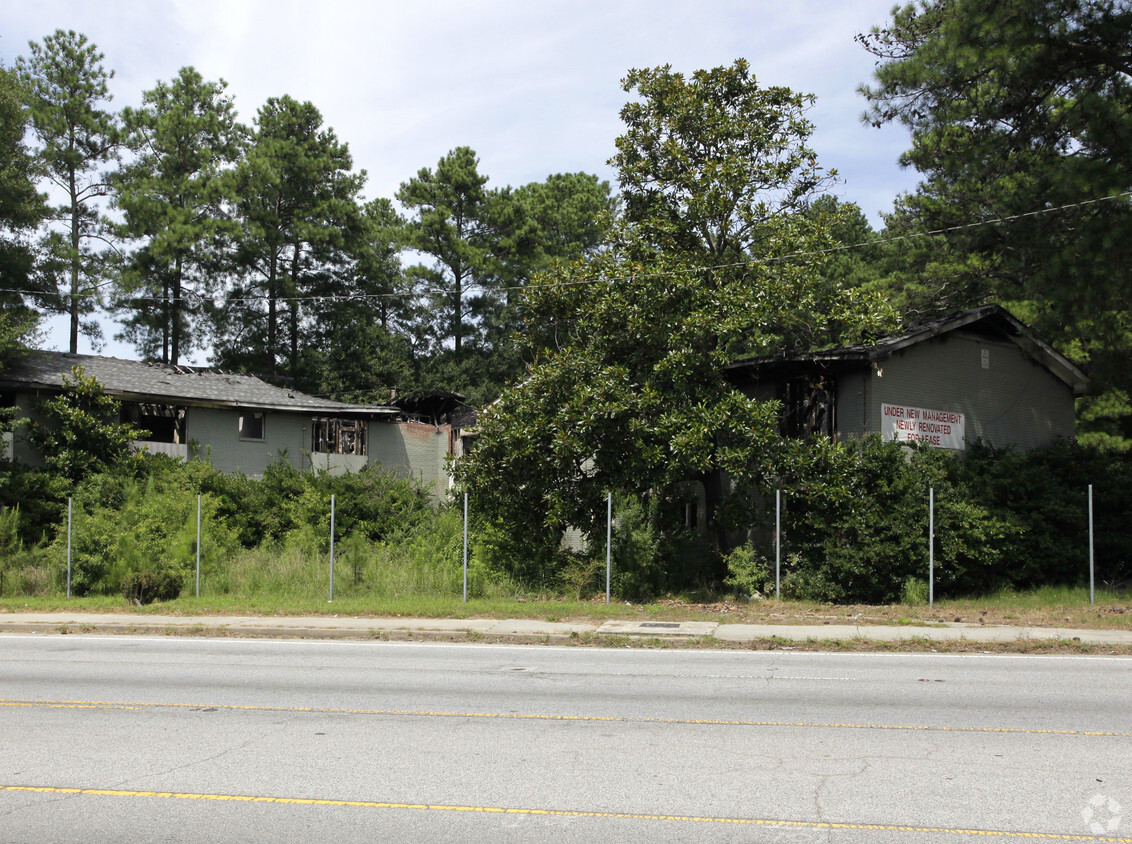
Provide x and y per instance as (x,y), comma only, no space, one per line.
(711,259)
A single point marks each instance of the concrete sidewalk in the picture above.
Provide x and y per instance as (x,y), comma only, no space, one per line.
(331,627)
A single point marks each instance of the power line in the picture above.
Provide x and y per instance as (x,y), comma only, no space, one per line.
(363,297)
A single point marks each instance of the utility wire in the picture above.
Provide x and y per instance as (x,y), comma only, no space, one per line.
(363,297)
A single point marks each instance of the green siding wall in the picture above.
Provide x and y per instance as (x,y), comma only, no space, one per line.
(1014,401)
(413,449)
(215,431)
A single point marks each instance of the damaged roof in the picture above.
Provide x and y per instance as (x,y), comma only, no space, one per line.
(131,380)
(991,318)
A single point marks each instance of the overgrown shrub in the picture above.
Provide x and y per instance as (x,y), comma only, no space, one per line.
(425,558)
(638,563)
(18,561)
(749,573)
(41,497)
(535,561)
(856,526)
(855,520)
(1044,493)
(138,536)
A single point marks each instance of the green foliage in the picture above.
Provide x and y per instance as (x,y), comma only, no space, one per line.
(637,548)
(533,562)
(11,545)
(572,211)
(356,347)
(581,574)
(708,165)
(172,196)
(297,202)
(138,536)
(748,572)
(454,223)
(862,543)
(21,566)
(41,497)
(915,592)
(79,434)
(1045,494)
(419,560)
(373,503)
(289,505)
(486,244)
(627,391)
(855,522)
(21,210)
(425,558)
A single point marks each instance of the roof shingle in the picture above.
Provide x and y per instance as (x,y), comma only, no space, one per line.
(134,380)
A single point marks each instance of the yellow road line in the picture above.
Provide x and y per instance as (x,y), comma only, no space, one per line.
(100,704)
(562,813)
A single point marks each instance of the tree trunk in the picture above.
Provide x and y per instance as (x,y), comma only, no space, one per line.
(176,328)
(272,311)
(166,317)
(457,310)
(295,266)
(74,308)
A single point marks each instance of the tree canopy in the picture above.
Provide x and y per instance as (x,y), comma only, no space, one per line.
(708,262)
(297,205)
(21,209)
(172,195)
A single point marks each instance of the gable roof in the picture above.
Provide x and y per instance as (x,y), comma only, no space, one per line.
(993,319)
(131,380)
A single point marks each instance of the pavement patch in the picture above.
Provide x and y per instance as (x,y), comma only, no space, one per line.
(659,628)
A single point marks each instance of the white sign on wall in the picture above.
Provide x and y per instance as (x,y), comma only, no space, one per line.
(907,423)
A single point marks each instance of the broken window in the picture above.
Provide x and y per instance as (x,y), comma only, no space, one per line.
(339,436)
(251,425)
(162,423)
(808,406)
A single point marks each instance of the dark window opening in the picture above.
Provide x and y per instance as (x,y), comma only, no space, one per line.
(339,436)
(808,407)
(251,425)
(161,423)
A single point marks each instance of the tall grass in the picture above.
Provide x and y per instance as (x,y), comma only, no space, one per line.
(426,561)
(1038,598)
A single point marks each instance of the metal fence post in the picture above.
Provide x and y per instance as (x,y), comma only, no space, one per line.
(778,545)
(465,547)
(1092,589)
(198,546)
(69,547)
(608,543)
(931,546)
(332,547)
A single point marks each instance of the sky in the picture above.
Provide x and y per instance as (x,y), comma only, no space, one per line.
(533,87)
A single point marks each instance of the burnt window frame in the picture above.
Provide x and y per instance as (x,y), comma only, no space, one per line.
(160,423)
(339,435)
(808,406)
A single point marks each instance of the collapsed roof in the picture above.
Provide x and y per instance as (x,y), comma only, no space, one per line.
(129,380)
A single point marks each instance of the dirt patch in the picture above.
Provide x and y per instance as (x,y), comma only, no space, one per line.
(972,611)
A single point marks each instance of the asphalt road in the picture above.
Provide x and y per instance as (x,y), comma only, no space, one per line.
(165,739)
